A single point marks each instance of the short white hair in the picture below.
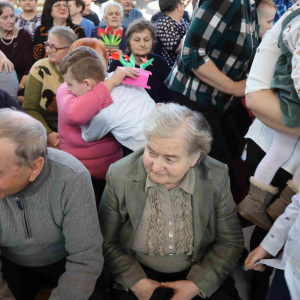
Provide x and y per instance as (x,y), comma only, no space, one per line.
(166,120)
(64,34)
(115,5)
(28,134)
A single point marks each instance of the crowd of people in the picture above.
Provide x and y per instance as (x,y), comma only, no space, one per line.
(121,141)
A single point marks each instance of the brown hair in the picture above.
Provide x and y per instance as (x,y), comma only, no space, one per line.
(83,62)
(139,25)
(79,3)
(91,43)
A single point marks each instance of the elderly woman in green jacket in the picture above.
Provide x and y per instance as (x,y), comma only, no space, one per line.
(167,213)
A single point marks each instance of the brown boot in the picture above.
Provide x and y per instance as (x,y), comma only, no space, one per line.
(278,207)
(253,206)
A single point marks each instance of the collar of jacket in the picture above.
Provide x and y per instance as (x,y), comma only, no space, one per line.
(202,198)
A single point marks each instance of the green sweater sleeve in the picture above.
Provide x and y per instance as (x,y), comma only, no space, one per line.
(32,100)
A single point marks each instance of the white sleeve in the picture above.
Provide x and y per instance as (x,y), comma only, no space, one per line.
(95,129)
(266,56)
(278,234)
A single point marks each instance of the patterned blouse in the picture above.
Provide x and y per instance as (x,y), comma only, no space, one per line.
(29,25)
(170,34)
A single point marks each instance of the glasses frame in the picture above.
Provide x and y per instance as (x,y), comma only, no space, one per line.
(54,49)
(59,6)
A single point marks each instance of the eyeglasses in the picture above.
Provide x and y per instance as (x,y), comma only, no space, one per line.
(60,6)
(53,49)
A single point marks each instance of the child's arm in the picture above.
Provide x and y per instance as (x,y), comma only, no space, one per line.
(278,234)
(76,111)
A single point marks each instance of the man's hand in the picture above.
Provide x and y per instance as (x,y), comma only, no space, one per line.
(183,289)
(256,255)
(53,140)
(145,288)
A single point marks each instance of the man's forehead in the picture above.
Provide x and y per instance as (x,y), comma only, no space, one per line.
(7,150)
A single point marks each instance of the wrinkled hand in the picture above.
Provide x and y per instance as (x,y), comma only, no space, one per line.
(256,255)
(145,288)
(53,140)
(8,65)
(239,88)
(183,289)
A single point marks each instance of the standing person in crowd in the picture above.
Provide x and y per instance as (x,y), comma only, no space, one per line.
(212,67)
(29,19)
(15,46)
(89,14)
(44,79)
(171,29)
(55,13)
(167,214)
(76,8)
(17,9)
(51,235)
(140,39)
(113,15)
(130,13)
(264,104)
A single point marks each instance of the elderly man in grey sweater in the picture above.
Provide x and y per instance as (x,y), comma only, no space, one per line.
(48,219)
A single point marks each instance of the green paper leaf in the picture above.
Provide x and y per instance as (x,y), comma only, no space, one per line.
(132,60)
(124,63)
(145,65)
(118,42)
(105,39)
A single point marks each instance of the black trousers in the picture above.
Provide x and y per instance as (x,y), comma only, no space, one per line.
(226,292)
(278,289)
(26,282)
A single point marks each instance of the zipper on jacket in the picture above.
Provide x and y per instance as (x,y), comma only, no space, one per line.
(24,215)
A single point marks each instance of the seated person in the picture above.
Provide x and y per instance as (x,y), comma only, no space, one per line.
(76,8)
(140,37)
(167,213)
(266,12)
(15,46)
(55,13)
(113,15)
(156,17)
(130,13)
(171,29)
(50,232)
(29,19)
(89,14)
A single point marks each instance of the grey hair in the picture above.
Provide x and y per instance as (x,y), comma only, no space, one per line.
(113,4)
(5,4)
(28,134)
(64,34)
(164,121)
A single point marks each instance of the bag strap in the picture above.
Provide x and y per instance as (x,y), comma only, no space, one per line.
(15,46)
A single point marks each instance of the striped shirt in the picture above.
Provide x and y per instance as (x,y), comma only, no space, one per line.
(225,32)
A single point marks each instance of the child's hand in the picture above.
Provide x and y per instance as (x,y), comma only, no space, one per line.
(256,255)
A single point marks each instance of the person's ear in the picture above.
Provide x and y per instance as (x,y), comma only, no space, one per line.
(89,84)
(195,159)
(36,168)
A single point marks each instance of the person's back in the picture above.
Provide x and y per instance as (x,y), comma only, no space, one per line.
(124,118)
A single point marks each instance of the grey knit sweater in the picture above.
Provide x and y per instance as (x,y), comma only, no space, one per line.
(54,217)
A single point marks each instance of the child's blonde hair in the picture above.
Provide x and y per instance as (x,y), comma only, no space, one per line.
(83,62)
(269,3)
